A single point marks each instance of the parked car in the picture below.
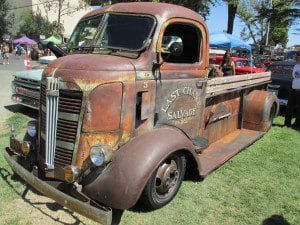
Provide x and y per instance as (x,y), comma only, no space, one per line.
(282,77)
(26,84)
(242,65)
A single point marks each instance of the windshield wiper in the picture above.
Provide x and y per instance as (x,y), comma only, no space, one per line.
(79,48)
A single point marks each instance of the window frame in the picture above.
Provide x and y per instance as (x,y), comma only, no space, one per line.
(200,29)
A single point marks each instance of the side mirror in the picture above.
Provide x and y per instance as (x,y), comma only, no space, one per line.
(58,52)
(172,46)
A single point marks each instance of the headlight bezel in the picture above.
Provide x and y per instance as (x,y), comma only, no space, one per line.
(99,155)
(32,128)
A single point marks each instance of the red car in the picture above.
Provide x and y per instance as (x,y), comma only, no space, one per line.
(242,65)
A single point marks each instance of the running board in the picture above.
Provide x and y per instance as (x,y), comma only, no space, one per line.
(222,150)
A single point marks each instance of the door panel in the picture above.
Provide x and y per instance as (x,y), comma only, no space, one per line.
(180,103)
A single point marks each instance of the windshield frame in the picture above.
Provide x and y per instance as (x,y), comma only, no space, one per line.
(105,15)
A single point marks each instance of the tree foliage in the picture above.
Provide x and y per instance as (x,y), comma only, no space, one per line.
(266,19)
(35,24)
(6,19)
(201,6)
(64,7)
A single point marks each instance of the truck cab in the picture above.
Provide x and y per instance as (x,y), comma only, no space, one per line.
(131,109)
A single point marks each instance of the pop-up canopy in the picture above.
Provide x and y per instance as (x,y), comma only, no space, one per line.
(227,41)
(53,39)
(24,40)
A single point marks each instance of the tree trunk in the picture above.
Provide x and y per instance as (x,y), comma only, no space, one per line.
(60,5)
(232,9)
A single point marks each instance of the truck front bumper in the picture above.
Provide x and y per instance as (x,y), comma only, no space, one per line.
(101,215)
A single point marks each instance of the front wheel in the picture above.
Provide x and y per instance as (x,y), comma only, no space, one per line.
(165,181)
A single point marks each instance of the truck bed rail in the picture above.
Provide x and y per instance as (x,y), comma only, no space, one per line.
(221,84)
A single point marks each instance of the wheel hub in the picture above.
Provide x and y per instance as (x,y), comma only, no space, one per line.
(167,177)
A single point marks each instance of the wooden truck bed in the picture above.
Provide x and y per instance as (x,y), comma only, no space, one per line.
(222,118)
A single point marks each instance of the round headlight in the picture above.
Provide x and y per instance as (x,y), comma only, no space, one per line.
(71,173)
(31,128)
(25,147)
(97,155)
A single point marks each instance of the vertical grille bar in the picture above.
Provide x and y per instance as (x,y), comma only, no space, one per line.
(52,95)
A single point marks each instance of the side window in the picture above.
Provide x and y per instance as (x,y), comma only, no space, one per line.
(181,43)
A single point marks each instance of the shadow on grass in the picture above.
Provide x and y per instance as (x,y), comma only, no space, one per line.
(52,206)
(17,108)
(4,174)
(275,220)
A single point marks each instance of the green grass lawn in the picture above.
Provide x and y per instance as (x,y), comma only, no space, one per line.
(261,185)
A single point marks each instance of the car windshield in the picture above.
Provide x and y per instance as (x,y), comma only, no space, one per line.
(85,32)
(125,32)
(242,63)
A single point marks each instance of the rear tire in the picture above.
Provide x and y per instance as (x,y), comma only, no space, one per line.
(165,182)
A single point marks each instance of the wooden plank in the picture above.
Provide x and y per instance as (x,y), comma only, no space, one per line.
(232,79)
(223,87)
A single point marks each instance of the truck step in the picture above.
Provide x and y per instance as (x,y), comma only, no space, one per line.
(222,150)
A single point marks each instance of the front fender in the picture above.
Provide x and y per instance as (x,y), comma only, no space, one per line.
(123,180)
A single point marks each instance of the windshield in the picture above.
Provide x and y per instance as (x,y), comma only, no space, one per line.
(85,32)
(127,32)
(242,63)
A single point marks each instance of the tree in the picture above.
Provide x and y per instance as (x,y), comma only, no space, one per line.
(6,19)
(201,6)
(35,24)
(232,10)
(267,19)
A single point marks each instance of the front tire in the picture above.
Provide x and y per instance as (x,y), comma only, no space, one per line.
(165,181)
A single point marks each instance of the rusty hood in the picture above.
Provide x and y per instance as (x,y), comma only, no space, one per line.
(92,68)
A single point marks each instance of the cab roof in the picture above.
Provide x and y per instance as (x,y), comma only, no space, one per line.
(159,10)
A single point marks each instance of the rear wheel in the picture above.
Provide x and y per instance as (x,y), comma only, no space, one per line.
(165,181)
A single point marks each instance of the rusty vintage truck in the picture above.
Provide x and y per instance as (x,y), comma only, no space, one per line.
(130,108)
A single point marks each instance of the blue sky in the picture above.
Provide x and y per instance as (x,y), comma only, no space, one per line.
(217,22)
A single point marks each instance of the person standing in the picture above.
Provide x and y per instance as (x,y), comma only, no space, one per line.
(5,54)
(294,97)
(228,66)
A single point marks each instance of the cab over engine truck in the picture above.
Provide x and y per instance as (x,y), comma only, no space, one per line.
(129,109)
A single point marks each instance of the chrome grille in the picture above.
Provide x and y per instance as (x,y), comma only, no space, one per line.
(52,95)
(69,107)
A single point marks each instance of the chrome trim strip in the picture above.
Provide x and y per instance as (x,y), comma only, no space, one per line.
(64,144)
(65,116)
(68,116)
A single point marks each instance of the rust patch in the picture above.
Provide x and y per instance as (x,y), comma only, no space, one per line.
(103,108)
(88,140)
